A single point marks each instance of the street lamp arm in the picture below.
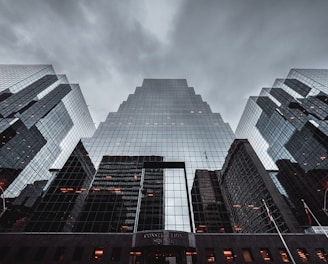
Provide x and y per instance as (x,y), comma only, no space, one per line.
(325,201)
(3,199)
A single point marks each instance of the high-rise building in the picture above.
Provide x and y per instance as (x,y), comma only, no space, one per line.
(163,118)
(155,195)
(245,186)
(42,118)
(209,210)
(287,126)
(61,205)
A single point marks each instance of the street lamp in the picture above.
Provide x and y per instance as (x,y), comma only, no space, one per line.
(325,202)
(3,202)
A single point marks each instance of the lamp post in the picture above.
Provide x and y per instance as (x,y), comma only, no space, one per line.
(3,202)
(325,202)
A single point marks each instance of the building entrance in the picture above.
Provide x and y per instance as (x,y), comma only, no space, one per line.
(163,255)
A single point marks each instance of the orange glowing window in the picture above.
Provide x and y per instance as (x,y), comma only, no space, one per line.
(284,255)
(97,254)
(304,256)
(210,255)
(238,228)
(321,254)
(124,228)
(265,254)
(136,253)
(117,190)
(228,254)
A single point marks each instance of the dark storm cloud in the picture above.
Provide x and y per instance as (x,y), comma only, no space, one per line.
(230,49)
(97,43)
(226,49)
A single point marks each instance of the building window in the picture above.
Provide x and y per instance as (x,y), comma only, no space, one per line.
(21,253)
(78,253)
(210,255)
(321,254)
(266,255)
(97,254)
(3,252)
(59,254)
(39,255)
(248,257)
(284,255)
(304,256)
(116,254)
(228,254)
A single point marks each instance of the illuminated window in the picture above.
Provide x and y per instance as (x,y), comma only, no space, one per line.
(135,252)
(190,252)
(265,254)
(97,254)
(248,257)
(303,254)
(124,228)
(321,254)
(210,256)
(284,255)
(228,254)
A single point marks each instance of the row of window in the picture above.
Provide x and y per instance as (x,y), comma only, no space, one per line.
(97,254)
(58,254)
(266,255)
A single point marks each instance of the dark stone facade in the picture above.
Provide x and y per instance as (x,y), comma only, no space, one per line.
(158,247)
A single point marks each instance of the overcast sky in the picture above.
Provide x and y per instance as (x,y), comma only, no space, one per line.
(227,49)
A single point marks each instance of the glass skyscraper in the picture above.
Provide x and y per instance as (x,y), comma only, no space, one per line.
(164,118)
(288,128)
(157,183)
(42,118)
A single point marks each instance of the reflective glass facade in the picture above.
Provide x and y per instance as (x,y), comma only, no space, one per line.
(287,126)
(42,118)
(165,118)
(245,183)
(210,212)
(61,205)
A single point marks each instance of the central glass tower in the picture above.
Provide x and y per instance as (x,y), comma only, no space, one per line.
(166,120)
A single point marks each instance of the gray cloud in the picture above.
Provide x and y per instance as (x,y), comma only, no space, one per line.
(227,50)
